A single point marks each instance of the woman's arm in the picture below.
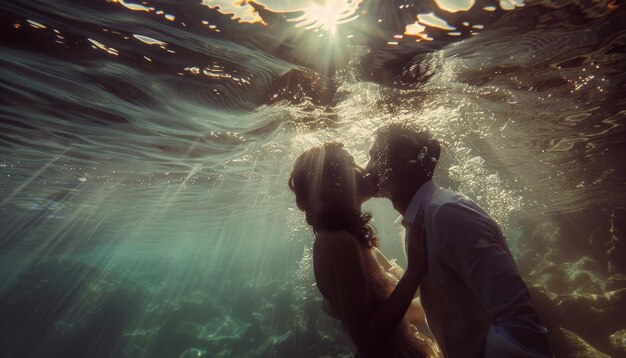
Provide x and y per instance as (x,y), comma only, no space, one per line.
(382,260)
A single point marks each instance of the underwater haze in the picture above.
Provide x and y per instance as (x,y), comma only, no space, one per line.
(145,149)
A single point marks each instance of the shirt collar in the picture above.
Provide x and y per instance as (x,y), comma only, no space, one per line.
(425,192)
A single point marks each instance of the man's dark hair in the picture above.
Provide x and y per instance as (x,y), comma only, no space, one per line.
(403,142)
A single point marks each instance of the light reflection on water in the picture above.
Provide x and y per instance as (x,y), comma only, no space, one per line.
(144,153)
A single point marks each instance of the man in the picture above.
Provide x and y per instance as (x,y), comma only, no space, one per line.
(476,303)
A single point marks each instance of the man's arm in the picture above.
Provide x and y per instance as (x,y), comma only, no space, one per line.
(391,312)
(477,252)
(387,317)
(415,312)
(367,327)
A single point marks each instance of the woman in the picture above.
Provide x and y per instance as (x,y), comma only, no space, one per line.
(350,273)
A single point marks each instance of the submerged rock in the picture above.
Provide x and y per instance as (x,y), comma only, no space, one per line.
(528,261)
(66,308)
(582,275)
(617,306)
(594,317)
(615,282)
(193,353)
(585,314)
(552,277)
(571,312)
(567,344)
(618,342)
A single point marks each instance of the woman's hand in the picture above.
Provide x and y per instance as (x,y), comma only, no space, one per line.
(416,247)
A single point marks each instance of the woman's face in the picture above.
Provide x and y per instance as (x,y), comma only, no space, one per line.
(358,180)
(362,187)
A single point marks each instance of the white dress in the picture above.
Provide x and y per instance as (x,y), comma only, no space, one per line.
(407,341)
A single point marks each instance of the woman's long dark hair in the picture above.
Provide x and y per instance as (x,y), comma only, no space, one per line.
(327,187)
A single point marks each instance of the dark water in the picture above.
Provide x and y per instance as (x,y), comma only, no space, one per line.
(145,147)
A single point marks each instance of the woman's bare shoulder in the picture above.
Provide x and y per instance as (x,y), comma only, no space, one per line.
(337,240)
(330,251)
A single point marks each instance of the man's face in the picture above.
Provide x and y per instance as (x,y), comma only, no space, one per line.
(378,171)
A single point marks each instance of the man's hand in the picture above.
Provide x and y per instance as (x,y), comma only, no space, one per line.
(416,247)
(390,313)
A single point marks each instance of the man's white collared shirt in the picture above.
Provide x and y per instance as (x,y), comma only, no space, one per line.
(476,303)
